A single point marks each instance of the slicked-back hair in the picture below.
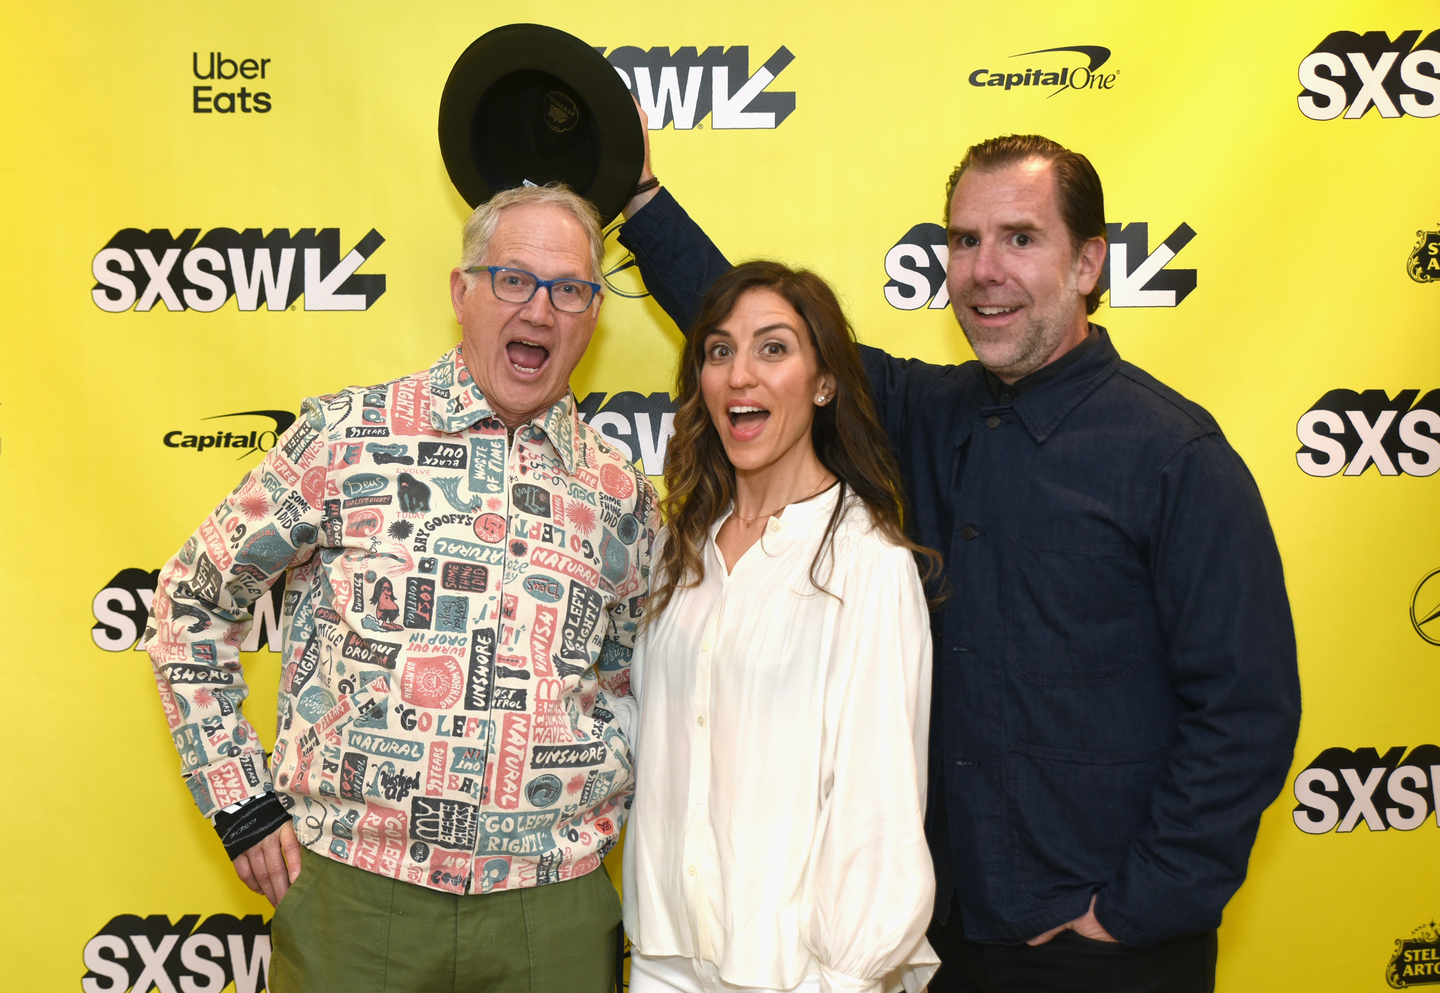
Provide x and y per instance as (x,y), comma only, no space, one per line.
(846,433)
(1077,185)
(481,224)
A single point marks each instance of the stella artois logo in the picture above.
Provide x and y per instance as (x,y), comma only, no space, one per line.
(1424,262)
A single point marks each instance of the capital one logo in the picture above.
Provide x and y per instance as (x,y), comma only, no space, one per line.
(140,269)
(684,87)
(1351,431)
(1349,73)
(1133,275)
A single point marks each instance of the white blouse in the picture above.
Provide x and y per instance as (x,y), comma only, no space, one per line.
(778,823)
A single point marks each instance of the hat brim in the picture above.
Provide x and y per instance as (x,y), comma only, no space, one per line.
(600,159)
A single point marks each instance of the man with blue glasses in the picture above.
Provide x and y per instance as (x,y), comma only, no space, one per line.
(465,563)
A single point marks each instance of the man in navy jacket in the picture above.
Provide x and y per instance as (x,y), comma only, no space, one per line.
(1116,693)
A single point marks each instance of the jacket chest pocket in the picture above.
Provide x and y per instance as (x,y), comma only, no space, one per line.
(1075,613)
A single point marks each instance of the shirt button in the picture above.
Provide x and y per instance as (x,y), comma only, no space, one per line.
(697,799)
(692,870)
(705,646)
(992,421)
(774,525)
(700,720)
(968,532)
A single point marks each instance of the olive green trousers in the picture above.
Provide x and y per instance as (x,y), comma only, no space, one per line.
(346,930)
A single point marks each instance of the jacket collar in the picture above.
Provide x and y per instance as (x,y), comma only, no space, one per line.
(456,403)
(1042,408)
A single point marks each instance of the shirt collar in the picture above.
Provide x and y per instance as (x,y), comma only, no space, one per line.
(456,403)
(1046,396)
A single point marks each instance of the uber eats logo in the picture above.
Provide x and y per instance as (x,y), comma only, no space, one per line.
(141,269)
(1349,74)
(1342,789)
(686,86)
(1350,431)
(1134,275)
(145,953)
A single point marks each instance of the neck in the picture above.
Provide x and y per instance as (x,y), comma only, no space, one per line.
(764,492)
(512,419)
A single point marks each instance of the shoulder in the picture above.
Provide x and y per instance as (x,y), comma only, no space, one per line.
(1173,410)
(1149,416)
(862,547)
(375,406)
(918,375)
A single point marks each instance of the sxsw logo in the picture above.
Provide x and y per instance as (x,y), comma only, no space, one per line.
(639,426)
(140,269)
(1349,73)
(1342,789)
(123,604)
(683,87)
(145,953)
(1353,431)
(1135,275)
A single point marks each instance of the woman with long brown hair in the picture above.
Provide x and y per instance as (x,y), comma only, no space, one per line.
(776,840)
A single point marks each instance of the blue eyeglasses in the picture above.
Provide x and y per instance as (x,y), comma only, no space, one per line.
(573,296)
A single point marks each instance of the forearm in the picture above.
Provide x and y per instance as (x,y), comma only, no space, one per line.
(677,259)
(1223,607)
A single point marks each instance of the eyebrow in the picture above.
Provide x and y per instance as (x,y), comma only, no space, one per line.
(517,264)
(1026,226)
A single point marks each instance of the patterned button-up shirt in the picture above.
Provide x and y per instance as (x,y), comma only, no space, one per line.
(458,619)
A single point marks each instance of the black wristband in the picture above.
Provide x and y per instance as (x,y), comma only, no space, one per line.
(646,186)
(248,825)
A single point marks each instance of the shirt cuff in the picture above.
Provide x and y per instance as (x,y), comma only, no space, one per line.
(243,825)
(837,982)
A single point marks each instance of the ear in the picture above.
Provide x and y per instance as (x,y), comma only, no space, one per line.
(1090,264)
(458,289)
(826,386)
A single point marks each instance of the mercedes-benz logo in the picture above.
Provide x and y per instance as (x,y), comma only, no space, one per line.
(621,273)
(1425,608)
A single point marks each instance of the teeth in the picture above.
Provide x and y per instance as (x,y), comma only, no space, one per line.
(747,410)
(992,311)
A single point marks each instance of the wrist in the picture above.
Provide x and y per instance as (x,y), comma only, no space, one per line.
(644,193)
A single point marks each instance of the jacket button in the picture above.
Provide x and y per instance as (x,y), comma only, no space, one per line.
(968,532)
(992,421)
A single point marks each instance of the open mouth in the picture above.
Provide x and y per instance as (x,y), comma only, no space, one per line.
(995,311)
(527,357)
(746,419)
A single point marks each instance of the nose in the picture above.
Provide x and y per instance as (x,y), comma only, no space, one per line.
(742,371)
(540,311)
(986,267)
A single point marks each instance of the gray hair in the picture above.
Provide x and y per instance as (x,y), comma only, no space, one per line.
(480,226)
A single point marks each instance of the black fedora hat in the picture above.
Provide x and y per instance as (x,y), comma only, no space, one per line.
(530,103)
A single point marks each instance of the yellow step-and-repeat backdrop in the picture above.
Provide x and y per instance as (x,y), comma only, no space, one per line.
(1271,179)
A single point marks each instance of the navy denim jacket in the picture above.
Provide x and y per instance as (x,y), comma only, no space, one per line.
(1116,692)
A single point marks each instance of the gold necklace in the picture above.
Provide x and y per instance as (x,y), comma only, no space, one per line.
(749,522)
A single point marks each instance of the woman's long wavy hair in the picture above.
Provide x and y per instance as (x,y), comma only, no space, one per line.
(846,433)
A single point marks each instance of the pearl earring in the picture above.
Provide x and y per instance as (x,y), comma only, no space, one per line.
(821,399)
